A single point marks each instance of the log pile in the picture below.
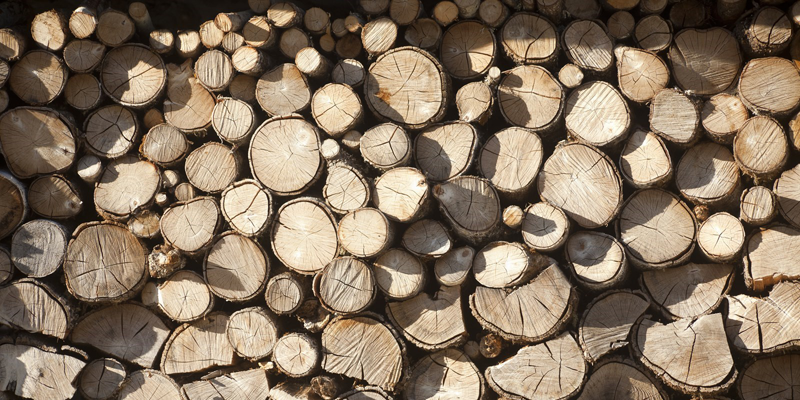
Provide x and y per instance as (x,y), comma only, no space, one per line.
(401,199)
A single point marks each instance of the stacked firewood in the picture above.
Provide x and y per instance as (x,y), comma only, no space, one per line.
(466,199)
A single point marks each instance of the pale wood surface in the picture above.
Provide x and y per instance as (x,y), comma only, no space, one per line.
(607,322)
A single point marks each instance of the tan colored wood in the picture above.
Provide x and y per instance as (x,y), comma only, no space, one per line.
(707,174)
(114,28)
(405,12)
(653,33)
(34,373)
(214,70)
(365,232)
(90,168)
(232,21)
(687,14)
(286,293)
(292,390)
(164,145)
(721,237)
(596,260)
(350,72)
(236,268)
(787,191)
(250,384)
(183,296)
(283,90)
(675,117)
(466,381)
(530,39)
(303,235)
(761,148)
(145,224)
(297,355)
(38,77)
(621,377)
(336,108)
(471,206)
(162,261)
(188,43)
(83,22)
(768,376)
(349,46)
(210,35)
(544,227)
(233,41)
(127,185)
(101,379)
(493,13)
(722,117)
(243,87)
(234,120)
(310,62)
(587,45)
(285,14)
(606,324)
(378,36)
(316,21)
(768,256)
(212,167)
(641,74)
(571,76)
(345,286)
(597,114)
(111,131)
(758,205)
(454,266)
(402,194)
(445,13)
(765,32)
(530,97)
(399,274)
(705,61)
(83,92)
(32,306)
(427,238)
(6,266)
(620,25)
(38,247)
(259,6)
(36,141)
(424,33)
(49,30)
(506,265)
(141,17)
(386,146)
(688,291)
(430,322)
(444,151)
(768,85)
(645,161)
(352,140)
(190,225)
(247,207)
(133,75)
(53,196)
(467,50)
(152,117)
(252,332)
(286,143)
(475,102)
(258,32)
(764,325)
(149,384)
(292,41)
(197,346)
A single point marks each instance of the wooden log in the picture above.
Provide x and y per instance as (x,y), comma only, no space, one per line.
(765,32)
(349,46)
(198,216)
(444,151)
(141,17)
(601,196)
(243,87)
(645,161)
(34,373)
(83,92)
(6,266)
(36,141)
(399,274)
(787,191)
(145,224)
(364,348)
(188,106)
(445,13)
(605,325)
(214,70)
(114,28)
(528,38)
(101,379)
(251,383)
(405,12)
(163,261)
(164,144)
(653,33)
(424,381)
(234,120)
(597,114)
(127,185)
(188,43)
(689,55)
(350,72)
(544,227)
(531,363)
(454,266)
(675,117)
(83,22)
(35,307)
(90,168)
(768,375)
(336,108)
(13,44)
(587,45)
(758,206)
(346,187)
(14,197)
(596,260)
(707,174)
(133,75)
(131,333)
(110,131)
(197,346)
(38,77)
(297,355)
(688,291)
(620,25)
(378,36)
(530,97)
(286,143)
(424,33)
(687,14)
(761,76)
(316,21)
(292,390)
(148,384)
(236,267)
(475,102)
(441,324)
(49,30)
(493,13)
(621,376)
(212,167)
(233,41)
(345,286)
(292,41)
(427,238)
(253,333)
(210,35)
(688,355)
(506,265)
(286,293)
(365,232)
(467,50)
(758,325)
(152,117)
(283,90)
(38,247)
(386,146)
(313,64)
(232,21)
(767,256)
(247,207)
(641,73)
(721,237)
(657,229)
(285,14)
(760,148)
(303,236)
(258,33)
(722,117)
(402,194)
(182,297)
(471,206)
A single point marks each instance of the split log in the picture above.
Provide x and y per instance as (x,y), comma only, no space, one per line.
(345,286)
(130,332)
(596,260)
(412,98)
(427,238)
(761,148)
(645,161)
(182,297)
(165,145)
(190,225)
(620,25)
(549,296)
(530,97)
(365,232)
(114,28)
(705,61)
(212,167)
(454,266)
(445,373)
(286,144)
(292,41)
(188,44)
(14,198)
(399,275)
(247,207)
(621,377)
(90,168)
(296,355)
(257,32)
(49,31)
(721,237)
(83,92)
(557,365)
(214,70)
(587,45)
(765,32)
(386,146)
(688,291)
(149,384)
(127,185)
(471,206)
(675,117)
(544,227)
(475,102)
(528,38)
(402,194)
(722,117)
(188,106)
(768,256)
(32,306)
(467,50)
(113,269)
(506,265)
(430,322)
(197,346)
(303,235)
(133,75)
(444,151)
(38,77)
(768,376)
(34,373)
(600,196)
(286,293)
(249,384)
(424,33)
(13,44)
(236,268)
(607,322)
(110,131)
(366,349)
(210,35)
(285,14)
(350,72)
(310,62)
(83,22)
(283,90)
(657,229)
(691,355)
(707,174)
(764,325)
(769,85)
(597,114)
(101,379)
(640,73)
(758,206)
(378,36)
(336,108)
(38,247)
(36,141)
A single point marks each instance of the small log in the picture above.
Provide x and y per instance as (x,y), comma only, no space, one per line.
(38,77)
(596,260)
(758,206)
(424,33)
(352,141)
(297,355)
(338,28)
(32,306)
(182,297)
(445,13)
(36,141)
(687,14)
(645,161)
(378,36)
(346,286)
(34,373)
(130,332)
(597,114)
(729,11)
(765,32)
(145,224)
(570,76)
(164,260)
(528,38)
(247,207)
(188,105)
(769,85)
(189,225)
(405,12)
(6,266)
(253,333)
(327,387)
(787,192)
(38,247)
(544,227)
(232,21)
(760,148)
(768,256)
(252,383)
(292,41)
(141,17)
(620,25)
(444,151)
(688,291)
(588,46)
(467,50)
(188,44)
(214,70)
(427,238)
(243,87)
(402,194)
(454,266)
(364,348)
(689,55)
(49,31)
(386,146)
(303,236)
(285,14)
(252,62)
(721,237)
(310,62)
(114,28)
(606,324)
(475,102)
(614,376)
(110,131)
(212,167)
(283,90)
(768,375)
(707,174)
(316,21)
(286,293)
(336,108)
(152,117)
(90,168)
(532,363)
(530,97)
(165,145)
(133,66)
(675,117)
(653,33)
(127,185)
(506,265)
(346,188)
(13,44)
(600,197)
(236,268)
(471,206)
(83,92)
(688,355)
(14,197)
(365,232)
(399,274)
(493,13)
(258,33)
(101,379)
(197,346)
(234,120)
(424,381)
(641,73)
(441,324)
(286,144)
(350,72)
(657,229)
(148,384)
(722,117)
(210,35)
(491,345)
(83,22)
